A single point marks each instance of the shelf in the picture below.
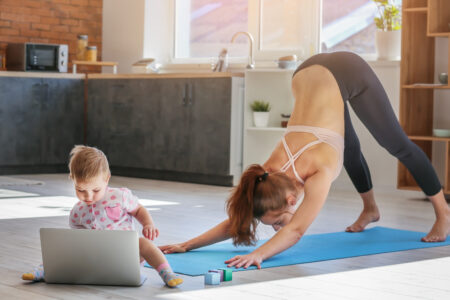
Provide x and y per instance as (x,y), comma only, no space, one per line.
(94,63)
(425,86)
(428,138)
(271,70)
(416,9)
(409,187)
(439,34)
(276,129)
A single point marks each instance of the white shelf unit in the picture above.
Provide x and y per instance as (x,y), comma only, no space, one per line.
(273,86)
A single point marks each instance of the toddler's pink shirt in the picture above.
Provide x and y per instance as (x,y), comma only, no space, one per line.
(110,213)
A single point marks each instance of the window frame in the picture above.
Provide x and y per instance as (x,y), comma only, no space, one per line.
(255,11)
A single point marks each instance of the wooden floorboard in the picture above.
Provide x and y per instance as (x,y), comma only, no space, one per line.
(197,208)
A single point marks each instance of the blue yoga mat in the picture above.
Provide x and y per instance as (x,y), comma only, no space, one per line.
(311,248)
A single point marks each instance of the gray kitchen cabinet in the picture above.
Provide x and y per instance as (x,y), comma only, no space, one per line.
(165,128)
(62,123)
(41,119)
(208,138)
(20,118)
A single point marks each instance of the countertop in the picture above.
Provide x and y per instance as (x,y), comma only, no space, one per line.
(40,74)
(166,75)
(118,76)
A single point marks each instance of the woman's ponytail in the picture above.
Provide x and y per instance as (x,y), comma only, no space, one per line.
(240,207)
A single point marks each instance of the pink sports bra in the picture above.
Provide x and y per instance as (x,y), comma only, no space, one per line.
(323,135)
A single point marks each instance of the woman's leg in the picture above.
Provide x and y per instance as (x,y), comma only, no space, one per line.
(359,173)
(373,108)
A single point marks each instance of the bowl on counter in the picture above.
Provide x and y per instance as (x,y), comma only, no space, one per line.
(287,64)
(441,132)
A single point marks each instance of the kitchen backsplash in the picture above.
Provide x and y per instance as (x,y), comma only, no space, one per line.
(53,22)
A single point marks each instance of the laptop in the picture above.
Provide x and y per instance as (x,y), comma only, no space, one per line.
(83,256)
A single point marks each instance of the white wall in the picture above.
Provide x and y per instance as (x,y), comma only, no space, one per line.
(123,33)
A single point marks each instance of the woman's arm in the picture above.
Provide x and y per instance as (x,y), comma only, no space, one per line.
(217,234)
(316,189)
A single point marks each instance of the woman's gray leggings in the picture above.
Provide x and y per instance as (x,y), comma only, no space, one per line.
(361,88)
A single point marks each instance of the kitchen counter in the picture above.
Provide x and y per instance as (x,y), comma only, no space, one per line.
(166,75)
(41,75)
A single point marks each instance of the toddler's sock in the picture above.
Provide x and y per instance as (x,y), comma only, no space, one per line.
(36,275)
(168,276)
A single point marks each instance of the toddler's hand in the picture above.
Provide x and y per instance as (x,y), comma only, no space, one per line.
(150,232)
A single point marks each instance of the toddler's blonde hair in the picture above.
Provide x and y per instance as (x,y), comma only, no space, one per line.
(87,163)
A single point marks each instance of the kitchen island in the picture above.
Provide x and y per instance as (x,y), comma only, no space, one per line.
(181,127)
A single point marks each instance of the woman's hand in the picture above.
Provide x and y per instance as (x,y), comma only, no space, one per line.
(150,232)
(245,261)
(175,248)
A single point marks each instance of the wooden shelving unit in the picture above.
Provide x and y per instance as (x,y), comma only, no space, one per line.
(94,63)
(422,21)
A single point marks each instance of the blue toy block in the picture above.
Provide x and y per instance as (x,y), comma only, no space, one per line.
(219,272)
(212,278)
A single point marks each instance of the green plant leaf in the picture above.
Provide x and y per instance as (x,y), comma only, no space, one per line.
(259,106)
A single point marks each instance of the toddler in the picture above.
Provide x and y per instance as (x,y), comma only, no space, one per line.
(105,208)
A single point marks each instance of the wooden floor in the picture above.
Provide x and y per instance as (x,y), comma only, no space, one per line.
(182,211)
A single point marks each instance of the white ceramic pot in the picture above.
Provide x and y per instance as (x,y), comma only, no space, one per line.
(388,44)
(261,118)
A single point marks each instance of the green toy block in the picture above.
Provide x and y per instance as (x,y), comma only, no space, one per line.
(227,274)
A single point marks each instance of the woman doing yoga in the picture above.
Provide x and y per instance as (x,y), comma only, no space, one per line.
(320,139)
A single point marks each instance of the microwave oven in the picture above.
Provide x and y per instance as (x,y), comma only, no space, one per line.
(37,57)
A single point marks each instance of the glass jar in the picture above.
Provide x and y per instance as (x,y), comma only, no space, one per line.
(91,53)
(81,46)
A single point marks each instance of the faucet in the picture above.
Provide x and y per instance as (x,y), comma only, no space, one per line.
(251,62)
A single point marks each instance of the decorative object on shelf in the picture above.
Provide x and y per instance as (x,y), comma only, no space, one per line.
(261,111)
(81,46)
(443,78)
(285,120)
(287,62)
(441,132)
(222,61)
(388,37)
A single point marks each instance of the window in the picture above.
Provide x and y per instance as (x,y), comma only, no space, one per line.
(204,27)
(279,27)
(347,25)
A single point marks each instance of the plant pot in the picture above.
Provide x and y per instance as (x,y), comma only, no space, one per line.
(388,44)
(261,118)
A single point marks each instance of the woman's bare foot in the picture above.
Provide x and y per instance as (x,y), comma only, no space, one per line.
(367,216)
(440,229)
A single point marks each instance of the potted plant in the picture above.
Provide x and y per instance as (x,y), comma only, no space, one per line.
(261,111)
(388,35)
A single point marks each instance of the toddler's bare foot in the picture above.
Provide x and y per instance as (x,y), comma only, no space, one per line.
(367,216)
(440,230)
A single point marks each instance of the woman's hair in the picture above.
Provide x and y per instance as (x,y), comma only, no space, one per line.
(87,163)
(257,193)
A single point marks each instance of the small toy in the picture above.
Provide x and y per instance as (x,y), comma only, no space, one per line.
(212,278)
(219,272)
(227,274)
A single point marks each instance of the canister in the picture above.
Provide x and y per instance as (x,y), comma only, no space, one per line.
(91,53)
(81,46)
